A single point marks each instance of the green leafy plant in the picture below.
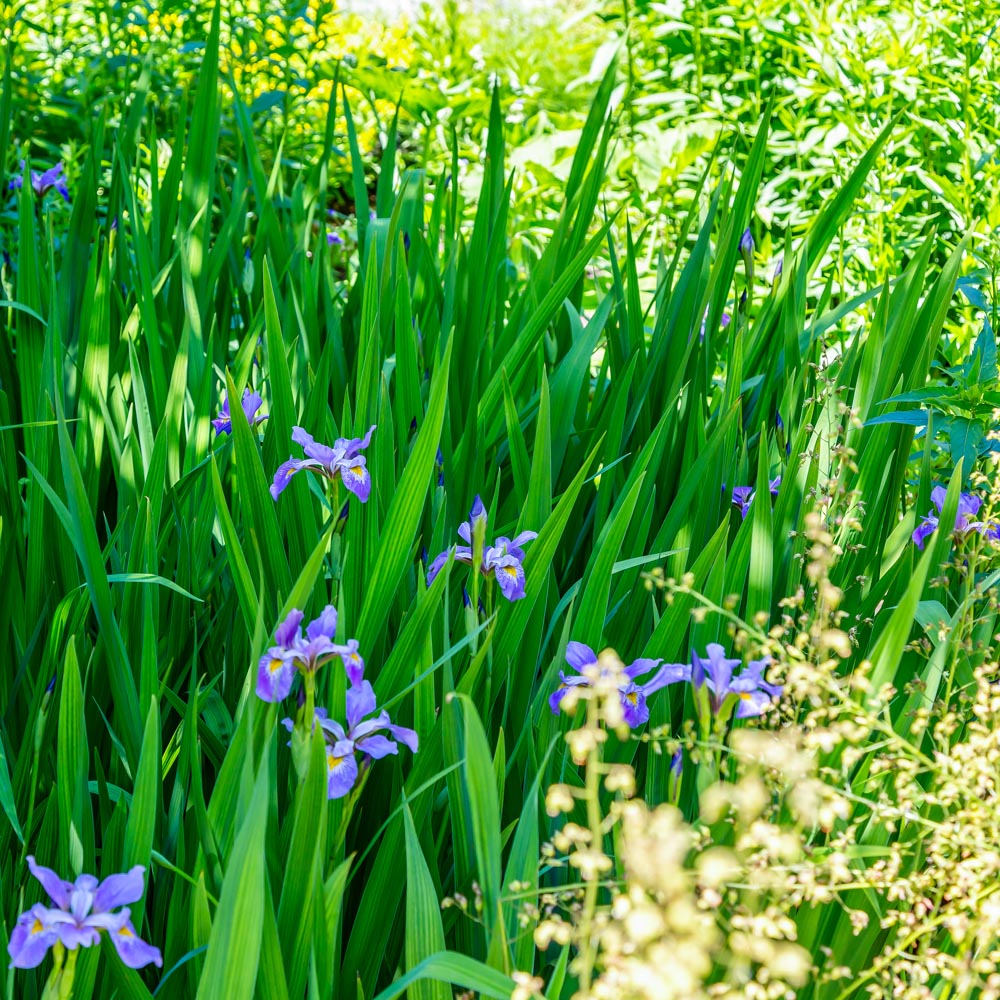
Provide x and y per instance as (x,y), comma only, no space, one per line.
(218,424)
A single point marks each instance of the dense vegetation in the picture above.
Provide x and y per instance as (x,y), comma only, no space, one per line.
(499,504)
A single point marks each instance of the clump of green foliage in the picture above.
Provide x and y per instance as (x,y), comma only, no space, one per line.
(769,493)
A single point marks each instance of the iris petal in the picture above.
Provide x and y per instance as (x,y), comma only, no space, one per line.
(356,477)
(275,674)
(580,656)
(57,888)
(31,938)
(324,625)
(377,746)
(360,702)
(342,773)
(132,950)
(117,890)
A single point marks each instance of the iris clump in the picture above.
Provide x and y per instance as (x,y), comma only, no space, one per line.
(52,179)
(502,561)
(364,736)
(968,507)
(745,696)
(343,461)
(80,911)
(251,403)
(589,671)
(294,652)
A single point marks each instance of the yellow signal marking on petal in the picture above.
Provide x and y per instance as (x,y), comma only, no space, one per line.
(511,571)
(125,932)
(36,927)
(632,698)
(275,665)
(358,470)
(333,761)
(744,695)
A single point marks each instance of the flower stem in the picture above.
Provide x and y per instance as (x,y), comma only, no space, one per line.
(310,683)
(53,985)
(302,732)
(335,541)
(68,975)
(348,810)
(593,799)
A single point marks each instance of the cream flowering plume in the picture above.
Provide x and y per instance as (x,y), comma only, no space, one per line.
(668,910)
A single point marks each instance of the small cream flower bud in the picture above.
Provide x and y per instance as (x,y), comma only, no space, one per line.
(559,799)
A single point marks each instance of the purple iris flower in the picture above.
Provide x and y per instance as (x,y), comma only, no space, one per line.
(334,238)
(743,495)
(716,672)
(362,736)
(344,459)
(723,322)
(439,465)
(82,910)
(633,695)
(746,242)
(466,530)
(307,653)
(44,182)
(478,518)
(968,507)
(502,560)
(251,403)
